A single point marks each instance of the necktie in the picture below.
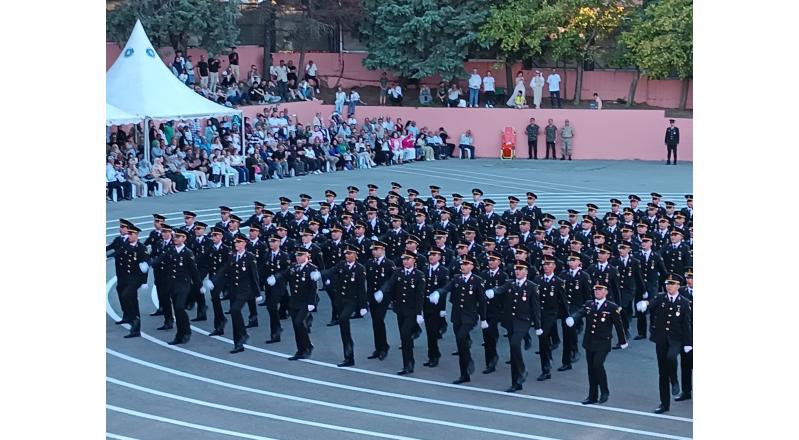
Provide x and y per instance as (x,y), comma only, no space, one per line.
(238,257)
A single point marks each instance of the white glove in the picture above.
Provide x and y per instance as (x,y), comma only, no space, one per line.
(433,297)
(687,348)
(208,284)
(442,313)
(325,231)
(483,324)
(144,267)
(623,346)
(419,319)
(641,306)
(490,293)
(327,282)
(271,280)
(202,290)
(144,286)
(260,299)
(570,321)
(539,331)
(374,238)
(363,312)
(379,296)
(646,295)
(315,275)
(311,307)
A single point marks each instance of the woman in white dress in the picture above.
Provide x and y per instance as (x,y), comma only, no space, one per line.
(537,84)
(519,86)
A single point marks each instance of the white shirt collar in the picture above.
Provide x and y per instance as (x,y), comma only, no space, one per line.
(599,302)
(180,248)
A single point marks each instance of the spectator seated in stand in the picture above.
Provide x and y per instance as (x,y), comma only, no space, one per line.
(425,97)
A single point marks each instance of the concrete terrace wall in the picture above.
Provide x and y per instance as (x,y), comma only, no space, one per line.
(605,134)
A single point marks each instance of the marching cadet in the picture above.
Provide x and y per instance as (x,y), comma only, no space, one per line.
(333,253)
(533,211)
(500,237)
(449,227)
(183,274)
(601,316)
(687,358)
(457,205)
(628,236)
(233,225)
(152,240)
(287,244)
(677,254)
(257,217)
(612,231)
(634,201)
(161,276)
(121,238)
(284,215)
(577,287)
(576,225)
(493,277)
(422,231)
(526,237)
(671,140)
(586,257)
(586,233)
(330,199)
(353,194)
(628,218)
(224,214)
(679,223)
(669,214)
(615,208)
(347,282)
(395,187)
(468,308)
(306,242)
(348,223)
(405,289)
(361,243)
(512,216)
(520,311)
(218,257)
(303,276)
(477,202)
(378,270)
(412,203)
(268,227)
(606,274)
(651,216)
(305,202)
(395,238)
(563,241)
(200,245)
(592,211)
(467,220)
(188,218)
(440,239)
(472,245)
(298,224)
(375,227)
(631,283)
(257,248)
(671,333)
(654,273)
(553,303)
(435,192)
(130,261)
(688,211)
(240,277)
(436,276)
(325,218)
(275,268)
(656,197)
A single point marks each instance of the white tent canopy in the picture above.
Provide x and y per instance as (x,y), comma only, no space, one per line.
(117,116)
(140,83)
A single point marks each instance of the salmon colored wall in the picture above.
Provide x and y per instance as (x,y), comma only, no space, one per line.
(610,84)
(603,134)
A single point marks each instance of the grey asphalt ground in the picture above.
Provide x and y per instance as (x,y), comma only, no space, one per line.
(200,391)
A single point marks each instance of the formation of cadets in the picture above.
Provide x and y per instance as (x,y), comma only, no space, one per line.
(517,270)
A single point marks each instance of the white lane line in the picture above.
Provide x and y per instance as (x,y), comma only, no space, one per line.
(131,412)
(466,173)
(257,413)
(114,315)
(118,437)
(494,182)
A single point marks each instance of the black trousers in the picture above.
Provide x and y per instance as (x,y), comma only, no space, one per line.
(216,305)
(516,332)
(432,325)
(301,337)
(463,341)
(550,147)
(180,294)
(197,297)
(253,306)
(464,149)
(667,353)
(239,330)
(334,309)
(569,342)
(641,323)
(532,148)
(626,314)
(128,292)
(378,311)
(554,99)
(687,370)
(548,325)
(671,149)
(450,149)
(123,189)
(346,310)
(597,377)
(406,324)
(490,338)
(164,298)
(274,297)
(490,97)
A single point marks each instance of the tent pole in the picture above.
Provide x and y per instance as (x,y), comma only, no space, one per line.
(147,140)
(241,127)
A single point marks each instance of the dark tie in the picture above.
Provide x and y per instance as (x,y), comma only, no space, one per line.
(238,257)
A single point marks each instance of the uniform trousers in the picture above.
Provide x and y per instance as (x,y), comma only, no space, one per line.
(432,325)
(346,308)
(641,323)
(548,325)
(490,338)
(216,305)
(532,148)
(570,348)
(597,377)
(378,311)
(406,323)
(274,296)
(239,330)
(667,353)
(671,150)
(164,298)
(298,317)
(687,370)
(550,147)
(516,331)
(463,341)
(128,292)
(180,294)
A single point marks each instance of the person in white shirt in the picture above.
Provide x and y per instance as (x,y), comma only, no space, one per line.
(282,72)
(537,84)
(310,75)
(488,88)
(353,100)
(474,88)
(395,95)
(553,80)
(597,101)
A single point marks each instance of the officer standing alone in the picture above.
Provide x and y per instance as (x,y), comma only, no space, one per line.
(672,139)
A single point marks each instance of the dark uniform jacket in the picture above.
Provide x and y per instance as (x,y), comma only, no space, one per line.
(202,253)
(631,280)
(181,268)
(672,136)
(494,305)
(599,325)
(434,280)
(677,258)
(552,297)
(405,291)
(653,271)
(127,258)
(578,288)
(217,258)
(609,277)
(519,302)
(364,245)
(240,277)
(302,287)
(671,322)
(349,284)
(396,242)
(467,298)
(377,274)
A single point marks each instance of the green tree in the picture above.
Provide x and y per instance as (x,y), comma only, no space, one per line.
(210,24)
(420,38)
(660,43)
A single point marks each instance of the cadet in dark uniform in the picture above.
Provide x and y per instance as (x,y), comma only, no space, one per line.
(553,303)
(435,307)
(405,289)
(183,274)
(493,277)
(130,260)
(532,211)
(577,285)
(395,238)
(161,275)
(188,218)
(601,316)
(520,311)
(468,300)
(224,214)
(257,248)
(654,273)
(302,284)
(240,275)
(631,283)
(284,215)
(218,257)
(677,254)
(672,139)
(276,266)
(152,240)
(332,254)
(671,333)
(201,246)
(687,359)
(378,270)
(257,217)
(347,282)
(512,216)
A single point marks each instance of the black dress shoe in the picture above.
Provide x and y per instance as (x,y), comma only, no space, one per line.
(507,362)
(555,346)
(132,335)
(432,363)
(675,389)
(347,363)
(462,379)
(564,367)
(683,396)
(332,323)
(308,352)
(588,401)
(158,312)
(405,371)
(617,347)
(374,355)
(237,349)
(603,398)
(455,353)
(575,356)
(661,409)
(252,323)
(273,340)
(543,377)
(121,322)
(489,370)
(296,356)
(217,332)
(166,326)
(639,337)
(201,314)
(189,307)
(513,388)
(382,355)
(176,341)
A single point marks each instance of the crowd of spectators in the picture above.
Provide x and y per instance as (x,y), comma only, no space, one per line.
(187,156)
